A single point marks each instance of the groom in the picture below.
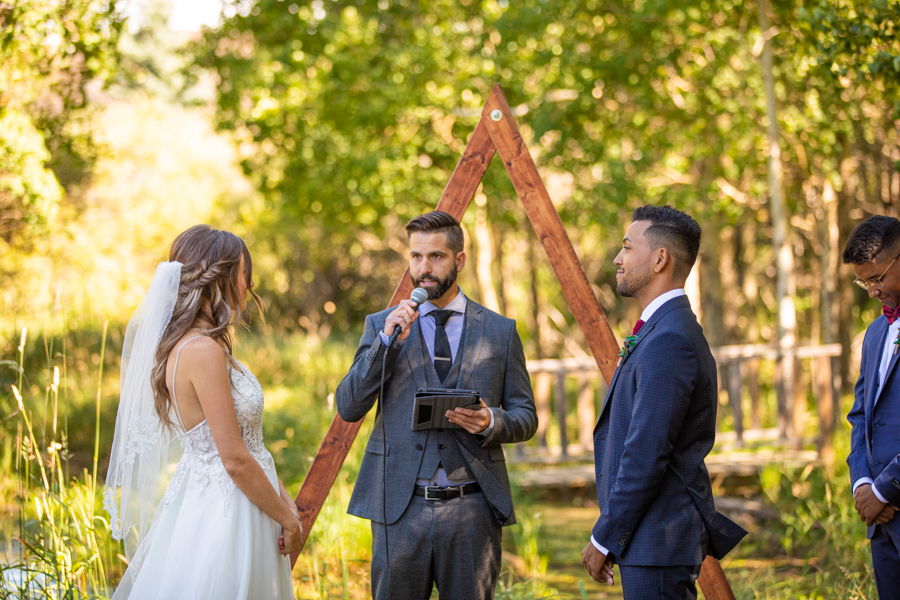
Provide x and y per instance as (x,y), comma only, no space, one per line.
(658,521)
(437,498)
(872,252)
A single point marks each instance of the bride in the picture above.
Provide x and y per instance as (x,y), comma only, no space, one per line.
(222,524)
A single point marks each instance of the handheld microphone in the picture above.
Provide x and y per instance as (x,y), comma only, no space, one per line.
(418,295)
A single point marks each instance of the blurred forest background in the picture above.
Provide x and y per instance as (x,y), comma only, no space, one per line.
(316,129)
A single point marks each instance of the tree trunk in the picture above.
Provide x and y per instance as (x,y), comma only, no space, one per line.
(499,259)
(710,280)
(535,302)
(785,285)
(484,263)
(750,289)
(828,315)
(542,381)
(845,294)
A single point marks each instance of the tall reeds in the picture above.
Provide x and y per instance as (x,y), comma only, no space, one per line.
(62,546)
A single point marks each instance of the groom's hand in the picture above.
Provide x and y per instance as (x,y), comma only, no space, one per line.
(868,505)
(598,565)
(886,514)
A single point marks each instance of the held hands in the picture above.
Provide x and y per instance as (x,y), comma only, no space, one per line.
(598,566)
(870,508)
(473,421)
(403,317)
(291,539)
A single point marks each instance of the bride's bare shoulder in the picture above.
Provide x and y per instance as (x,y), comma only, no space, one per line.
(197,350)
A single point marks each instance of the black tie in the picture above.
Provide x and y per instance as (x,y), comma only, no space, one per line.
(443,360)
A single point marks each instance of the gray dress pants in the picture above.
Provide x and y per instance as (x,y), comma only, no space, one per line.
(452,543)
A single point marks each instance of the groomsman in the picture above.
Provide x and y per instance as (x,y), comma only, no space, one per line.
(657,517)
(872,252)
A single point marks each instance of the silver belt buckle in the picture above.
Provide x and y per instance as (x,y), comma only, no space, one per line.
(431,487)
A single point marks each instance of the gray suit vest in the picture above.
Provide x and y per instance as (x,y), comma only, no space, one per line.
(441,447)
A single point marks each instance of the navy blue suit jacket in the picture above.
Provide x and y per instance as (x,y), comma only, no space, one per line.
(656,426)
(875,435)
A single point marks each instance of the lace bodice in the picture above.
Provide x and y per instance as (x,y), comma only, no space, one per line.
(201,457)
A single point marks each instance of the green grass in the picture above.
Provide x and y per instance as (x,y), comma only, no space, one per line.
(48,497)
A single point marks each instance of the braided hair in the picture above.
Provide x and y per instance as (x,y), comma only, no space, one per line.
(208,298)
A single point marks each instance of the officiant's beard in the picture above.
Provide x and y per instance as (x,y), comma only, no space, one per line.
(435,292)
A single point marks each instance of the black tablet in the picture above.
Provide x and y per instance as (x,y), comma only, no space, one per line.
(431,404)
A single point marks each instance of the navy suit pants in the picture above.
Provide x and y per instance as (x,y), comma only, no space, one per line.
(659,583)
(886,560)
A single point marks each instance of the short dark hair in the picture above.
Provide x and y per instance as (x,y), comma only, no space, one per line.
(872,240)
(673,230)
(437,221)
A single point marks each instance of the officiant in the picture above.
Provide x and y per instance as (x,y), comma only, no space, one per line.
(437,498)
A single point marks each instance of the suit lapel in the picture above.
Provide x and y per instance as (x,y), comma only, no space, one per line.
(891,365)
(473,338)
(414,354)
(679,302)
(644,332)
(874,363)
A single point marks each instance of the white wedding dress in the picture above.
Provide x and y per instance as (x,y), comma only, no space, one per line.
(207,540)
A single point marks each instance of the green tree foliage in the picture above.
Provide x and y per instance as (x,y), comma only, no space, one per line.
(856,39)
(351,115)
(49,54)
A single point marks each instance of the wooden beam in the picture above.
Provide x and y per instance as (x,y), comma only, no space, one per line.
(713,581)
(497,130)
(325,467)
(550,231)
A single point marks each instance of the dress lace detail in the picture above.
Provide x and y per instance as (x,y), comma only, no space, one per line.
(201,457)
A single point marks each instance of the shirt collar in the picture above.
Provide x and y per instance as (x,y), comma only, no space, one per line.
(659,301)
(458,304)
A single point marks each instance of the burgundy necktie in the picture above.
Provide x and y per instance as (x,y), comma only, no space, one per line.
(892,314)
(640,323)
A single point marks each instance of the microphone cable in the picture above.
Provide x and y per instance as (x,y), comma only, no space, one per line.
(387,555)
(418,295)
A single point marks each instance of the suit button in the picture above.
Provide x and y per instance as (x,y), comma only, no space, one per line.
(440,446)
(419,447)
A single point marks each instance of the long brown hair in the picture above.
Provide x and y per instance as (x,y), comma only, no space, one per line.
(208,298)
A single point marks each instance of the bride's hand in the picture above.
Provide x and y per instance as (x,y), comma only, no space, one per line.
(291,540)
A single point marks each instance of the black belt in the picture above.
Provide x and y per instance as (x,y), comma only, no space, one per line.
(433,492)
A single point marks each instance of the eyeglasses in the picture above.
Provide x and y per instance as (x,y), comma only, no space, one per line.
(877,283)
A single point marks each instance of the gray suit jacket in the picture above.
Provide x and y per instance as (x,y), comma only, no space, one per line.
(492,362)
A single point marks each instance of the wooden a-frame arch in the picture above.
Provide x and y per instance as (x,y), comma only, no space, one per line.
(497,132)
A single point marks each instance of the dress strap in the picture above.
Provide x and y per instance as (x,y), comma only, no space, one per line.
(174,372)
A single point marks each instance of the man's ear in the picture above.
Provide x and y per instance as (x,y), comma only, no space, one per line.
(460,261)
(663,258)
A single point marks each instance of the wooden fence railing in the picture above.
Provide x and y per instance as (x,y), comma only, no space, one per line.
(815,371)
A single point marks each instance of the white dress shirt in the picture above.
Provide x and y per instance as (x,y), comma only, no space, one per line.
(645,316)
(886,354)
